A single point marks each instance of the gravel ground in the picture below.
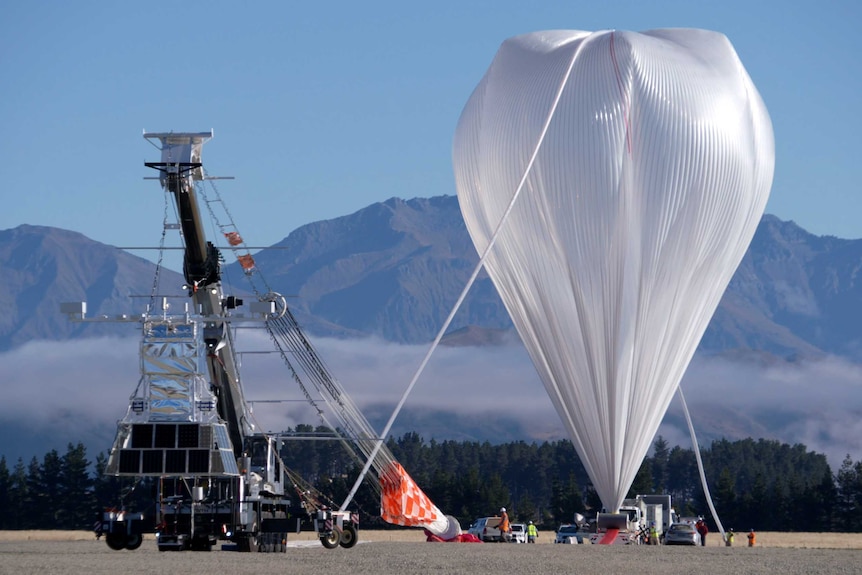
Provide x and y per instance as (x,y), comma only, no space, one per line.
(401,558)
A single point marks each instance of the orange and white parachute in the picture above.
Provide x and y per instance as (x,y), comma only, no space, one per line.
(402,502)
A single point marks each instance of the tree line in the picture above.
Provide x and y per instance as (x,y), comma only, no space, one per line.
(761,484)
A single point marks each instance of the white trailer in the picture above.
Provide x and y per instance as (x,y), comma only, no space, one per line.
(630,525)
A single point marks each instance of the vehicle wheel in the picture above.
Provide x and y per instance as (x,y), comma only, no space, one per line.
(249,543)
(115,541)
(253,543)
(348,537)
(332,539)
(202,544)
(134,541)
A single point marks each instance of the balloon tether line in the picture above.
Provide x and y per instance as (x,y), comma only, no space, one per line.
(700,464)
(466,289)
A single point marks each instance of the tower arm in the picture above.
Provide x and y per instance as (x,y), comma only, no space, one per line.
(179,168)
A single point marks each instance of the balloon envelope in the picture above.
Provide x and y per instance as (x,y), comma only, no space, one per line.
(643,163)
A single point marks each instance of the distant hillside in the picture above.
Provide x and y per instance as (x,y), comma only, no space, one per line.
(40,267)
(394,269)
(808,286)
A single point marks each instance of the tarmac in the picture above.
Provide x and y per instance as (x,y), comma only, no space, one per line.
(304,557)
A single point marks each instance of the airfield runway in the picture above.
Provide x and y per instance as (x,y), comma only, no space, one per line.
(91,557)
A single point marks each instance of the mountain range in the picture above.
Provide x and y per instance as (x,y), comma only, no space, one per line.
(394,269)
(391,273)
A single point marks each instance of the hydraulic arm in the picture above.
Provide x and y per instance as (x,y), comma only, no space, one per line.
(180,167)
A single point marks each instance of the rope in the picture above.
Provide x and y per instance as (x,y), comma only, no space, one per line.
(156,278)
(467,287)
(286,335)
(158,270)
(700,465)
(305,490)
(295,351)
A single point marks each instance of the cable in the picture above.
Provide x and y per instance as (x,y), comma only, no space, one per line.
(297,353)
(467,287)
(700,464)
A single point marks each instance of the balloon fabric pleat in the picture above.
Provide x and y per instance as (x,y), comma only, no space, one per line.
(642,200)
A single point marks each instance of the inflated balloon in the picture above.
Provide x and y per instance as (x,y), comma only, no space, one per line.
(640,164)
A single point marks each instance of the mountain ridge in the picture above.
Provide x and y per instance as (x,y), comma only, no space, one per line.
(391,272)
(394,269)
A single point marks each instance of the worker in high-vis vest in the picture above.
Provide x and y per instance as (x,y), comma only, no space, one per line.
(751,538)
(653,534)
(532,533)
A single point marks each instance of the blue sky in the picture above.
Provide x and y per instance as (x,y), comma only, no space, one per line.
(322,108)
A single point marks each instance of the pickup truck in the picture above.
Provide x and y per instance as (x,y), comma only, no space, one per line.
(518,532)
(487,529)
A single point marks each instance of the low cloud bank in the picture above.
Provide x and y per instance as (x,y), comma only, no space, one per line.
(76,391)
(816,403)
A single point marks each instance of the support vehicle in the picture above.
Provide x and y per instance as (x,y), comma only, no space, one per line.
(570,534)
(188,429)
(630,524)
(518,533)
(682,534)
(487,529)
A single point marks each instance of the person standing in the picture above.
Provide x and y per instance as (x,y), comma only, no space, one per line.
(532,533)
(729,542)
(751,538)
(653,534)
(504,525)
(703,530)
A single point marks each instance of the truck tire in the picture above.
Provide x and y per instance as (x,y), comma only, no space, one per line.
(116,541)
(332,539)
(134,541)
(249,543)
(349,536)
(281,546)
(266,541)
(202,544)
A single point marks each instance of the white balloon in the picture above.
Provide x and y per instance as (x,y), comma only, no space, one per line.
(643,163)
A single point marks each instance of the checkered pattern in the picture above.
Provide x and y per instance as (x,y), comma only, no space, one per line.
(246,261)
(233,238)
(402,502)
